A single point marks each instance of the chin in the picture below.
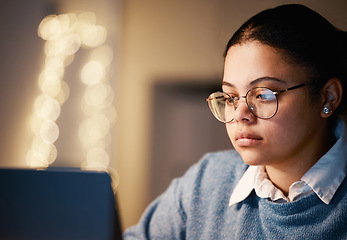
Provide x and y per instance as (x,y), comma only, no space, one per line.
(252,158)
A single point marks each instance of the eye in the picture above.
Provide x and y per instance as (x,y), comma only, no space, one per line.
(222,98)
(264,97)
(264,94)
(231,96)
(227,99)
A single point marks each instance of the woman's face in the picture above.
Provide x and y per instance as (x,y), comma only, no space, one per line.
(295,130)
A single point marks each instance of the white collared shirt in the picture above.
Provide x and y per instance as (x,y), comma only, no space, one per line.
(324,178)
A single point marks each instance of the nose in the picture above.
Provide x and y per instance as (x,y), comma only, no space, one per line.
(237,101)
(242,112)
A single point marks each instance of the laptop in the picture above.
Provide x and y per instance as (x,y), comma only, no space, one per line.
(57,203)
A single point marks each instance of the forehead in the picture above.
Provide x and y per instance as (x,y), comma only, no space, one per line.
(248,62)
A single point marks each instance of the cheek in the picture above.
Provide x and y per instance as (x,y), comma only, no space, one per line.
(290,129)
(230,137)
(280,136)
(229,128)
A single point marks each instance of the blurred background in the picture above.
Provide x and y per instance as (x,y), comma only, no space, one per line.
(119,84)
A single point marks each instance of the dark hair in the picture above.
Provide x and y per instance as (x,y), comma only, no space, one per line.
(303,37)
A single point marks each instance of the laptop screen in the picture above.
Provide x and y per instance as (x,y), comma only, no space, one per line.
(57,203)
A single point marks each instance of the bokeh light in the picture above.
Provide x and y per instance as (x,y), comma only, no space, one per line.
(50,109)
(97,159)
(92,72)
(49,131)
(65,34)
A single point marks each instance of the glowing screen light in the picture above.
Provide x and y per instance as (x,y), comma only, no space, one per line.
(65,34)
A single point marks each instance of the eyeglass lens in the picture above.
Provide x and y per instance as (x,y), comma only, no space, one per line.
(262,102)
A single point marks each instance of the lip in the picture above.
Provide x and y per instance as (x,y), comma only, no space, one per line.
(247,139)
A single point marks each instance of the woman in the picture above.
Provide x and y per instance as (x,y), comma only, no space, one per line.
(281,95)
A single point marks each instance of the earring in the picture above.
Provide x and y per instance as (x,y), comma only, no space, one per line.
(326,110)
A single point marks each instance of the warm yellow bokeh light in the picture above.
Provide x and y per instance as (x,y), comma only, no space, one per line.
(65,34)
(63,94)
(50,85)
(47,108)
(91,142)
(111,114)
(49,28)
(95,127)
(56,65)
(98,155)
(49,131)
(35,160)
(96,95)
(63,45)
(96,159)
(41,154)
(92,72)
(50,109)
(92,35)
(48,152)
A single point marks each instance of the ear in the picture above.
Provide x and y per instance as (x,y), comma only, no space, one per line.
(331,97)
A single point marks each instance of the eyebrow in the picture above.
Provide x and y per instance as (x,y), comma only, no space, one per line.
(256,81)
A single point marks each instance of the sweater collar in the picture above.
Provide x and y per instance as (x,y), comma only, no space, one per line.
(324,178)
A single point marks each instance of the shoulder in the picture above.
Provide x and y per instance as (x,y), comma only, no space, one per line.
(192,198)
(219,164)
(222,169)
(204,191)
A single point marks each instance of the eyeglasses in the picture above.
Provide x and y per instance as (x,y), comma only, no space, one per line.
(262,102)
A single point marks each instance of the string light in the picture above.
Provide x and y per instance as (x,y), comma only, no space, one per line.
(65,34)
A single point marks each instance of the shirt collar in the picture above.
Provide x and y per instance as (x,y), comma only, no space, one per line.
(332,166)
(245,186)
(327,174)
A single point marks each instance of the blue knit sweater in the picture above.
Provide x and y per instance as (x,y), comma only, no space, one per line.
(196,207)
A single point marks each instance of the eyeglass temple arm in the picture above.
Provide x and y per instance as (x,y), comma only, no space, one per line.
(291,88)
